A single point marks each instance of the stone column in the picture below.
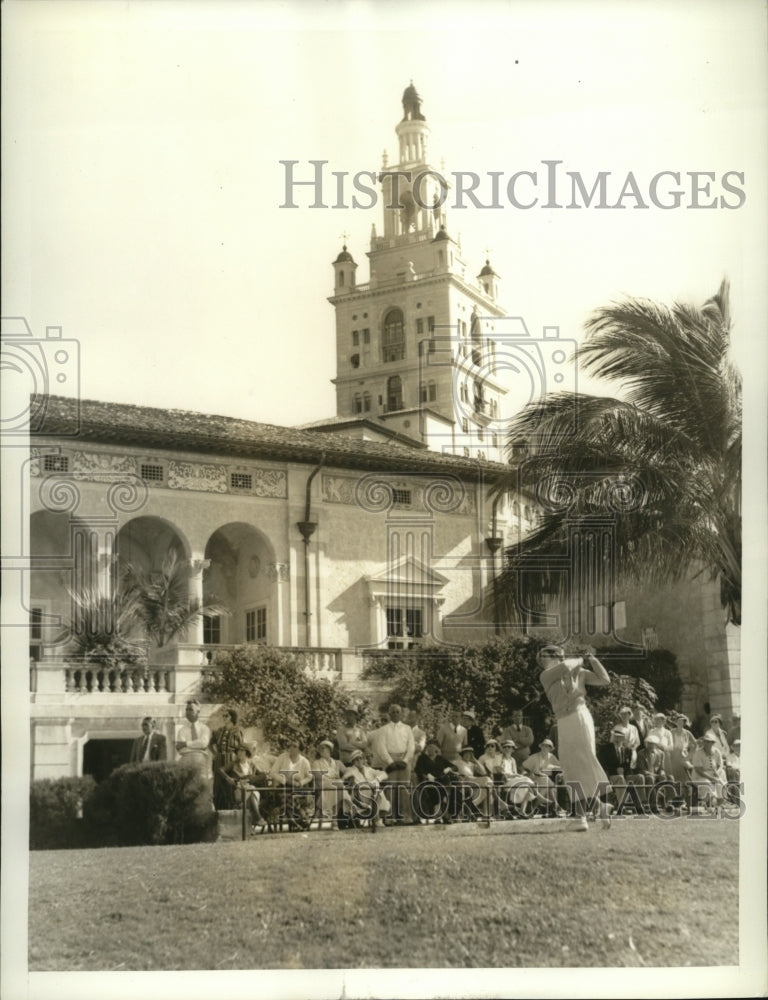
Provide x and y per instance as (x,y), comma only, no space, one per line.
(197,566)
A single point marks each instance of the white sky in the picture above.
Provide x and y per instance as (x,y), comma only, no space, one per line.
(140,191)
(141,178)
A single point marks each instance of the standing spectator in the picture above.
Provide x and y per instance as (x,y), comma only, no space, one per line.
(419,736)
(151,745)
(734,730)
(392,750)
(708,772)
(451,737)
(224,744)
(639,719)
(350,736)
(678,766)
(716,730)
(631,733)
(193,739)
(521,735)
(475,734)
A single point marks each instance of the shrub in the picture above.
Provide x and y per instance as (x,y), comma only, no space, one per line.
(271,689)
(156,803)
(55,813)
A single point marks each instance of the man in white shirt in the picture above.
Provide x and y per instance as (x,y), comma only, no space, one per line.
(193,739)
(392,750)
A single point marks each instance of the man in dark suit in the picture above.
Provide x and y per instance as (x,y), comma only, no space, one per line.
(150,746)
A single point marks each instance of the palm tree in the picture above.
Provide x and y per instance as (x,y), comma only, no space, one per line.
(664,461)
(100,630)
(160,600)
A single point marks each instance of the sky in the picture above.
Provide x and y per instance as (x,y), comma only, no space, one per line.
(142,181)
(142,184)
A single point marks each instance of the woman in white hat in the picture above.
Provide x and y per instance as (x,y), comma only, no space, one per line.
(544,767)
(565,682)
(327,773)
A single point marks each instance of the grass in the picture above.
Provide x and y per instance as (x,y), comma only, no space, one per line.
(638,894)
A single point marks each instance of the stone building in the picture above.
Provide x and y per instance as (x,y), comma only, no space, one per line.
(370,530)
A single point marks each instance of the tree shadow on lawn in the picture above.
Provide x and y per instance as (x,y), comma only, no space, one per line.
(410,897)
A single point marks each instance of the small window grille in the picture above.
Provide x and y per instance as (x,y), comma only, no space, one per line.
(55,463)
(401,498)
(241,481)
(355,338)
(366,336)
(152,473)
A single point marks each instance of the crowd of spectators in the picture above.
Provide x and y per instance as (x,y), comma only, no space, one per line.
(459,773)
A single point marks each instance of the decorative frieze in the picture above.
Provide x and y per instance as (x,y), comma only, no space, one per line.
(202,477)
(199,476)
(444,494)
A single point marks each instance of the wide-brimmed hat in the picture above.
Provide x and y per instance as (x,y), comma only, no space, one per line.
(651,739)
(547,743)
(469,714)
(716,718)
(509,743)
(709,738)
(466,750)
(325,743)
(355,755)
(491,743)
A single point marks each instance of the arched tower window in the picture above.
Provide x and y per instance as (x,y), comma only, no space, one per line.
(394,393)
(393,337)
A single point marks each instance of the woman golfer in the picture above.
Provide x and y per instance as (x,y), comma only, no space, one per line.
(564,681)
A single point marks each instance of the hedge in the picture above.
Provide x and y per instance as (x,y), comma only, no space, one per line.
(156,803)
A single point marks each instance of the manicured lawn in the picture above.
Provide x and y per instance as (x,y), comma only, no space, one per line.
(638,894)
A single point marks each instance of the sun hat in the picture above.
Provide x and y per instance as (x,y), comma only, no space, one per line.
(466,749)
(491,743)
(709,738)
(547,743)
(651,739)
(354,755)
(469,714)
(625,710)
(325,743)
(509,743)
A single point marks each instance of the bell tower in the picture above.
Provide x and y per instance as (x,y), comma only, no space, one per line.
(414,348)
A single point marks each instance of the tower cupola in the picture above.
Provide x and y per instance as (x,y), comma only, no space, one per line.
(344,272)
(489,281)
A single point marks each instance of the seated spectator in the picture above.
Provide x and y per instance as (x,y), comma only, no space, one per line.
(491,759)
(733,762)
(471,770)
(240,776)
(544,768)
(358,772)
(650,764)
(327,774)
(617,759)
(516,792)
(708,772)
(432,768)
(291,768)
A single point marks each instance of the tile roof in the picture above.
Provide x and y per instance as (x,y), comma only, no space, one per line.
(186,430)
